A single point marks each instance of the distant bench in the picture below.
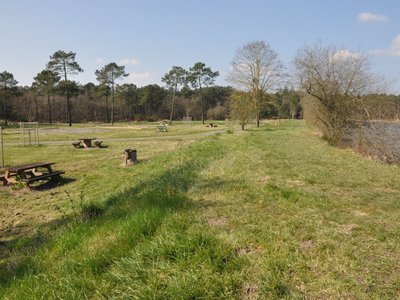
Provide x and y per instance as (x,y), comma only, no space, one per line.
(87,144)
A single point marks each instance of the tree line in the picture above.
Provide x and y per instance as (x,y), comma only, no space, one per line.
(54,97)
(334,86)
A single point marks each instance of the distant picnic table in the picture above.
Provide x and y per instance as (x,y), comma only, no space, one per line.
(31,172)
(162,128)
(87,142)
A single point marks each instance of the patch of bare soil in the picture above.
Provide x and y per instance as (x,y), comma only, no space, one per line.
(248,250)
(360,213)
(308,244)
(137,127)
(264,178)
(294,183)
(217,222)
(347,228)
(72,130)
(250,291)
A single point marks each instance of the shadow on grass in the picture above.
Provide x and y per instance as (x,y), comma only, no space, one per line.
(165,192)
(51,184)
(218,184)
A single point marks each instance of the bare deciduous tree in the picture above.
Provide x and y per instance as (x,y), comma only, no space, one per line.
(336,79)
(257,69)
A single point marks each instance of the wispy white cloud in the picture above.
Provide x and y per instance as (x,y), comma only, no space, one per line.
(345,54)
(129,61)
(141,78)
(99,61)
(393,50)
(370,17)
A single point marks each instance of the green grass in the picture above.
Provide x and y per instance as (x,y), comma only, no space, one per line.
(269,213)
(104,131)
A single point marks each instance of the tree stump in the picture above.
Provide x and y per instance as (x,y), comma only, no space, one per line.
(130,157)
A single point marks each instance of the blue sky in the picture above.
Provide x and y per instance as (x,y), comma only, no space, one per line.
(149,37)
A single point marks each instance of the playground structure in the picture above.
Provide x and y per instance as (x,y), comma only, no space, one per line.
(29,133)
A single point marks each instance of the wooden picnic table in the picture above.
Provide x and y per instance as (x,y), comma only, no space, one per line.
(162,128)
(87,142)
(28,173)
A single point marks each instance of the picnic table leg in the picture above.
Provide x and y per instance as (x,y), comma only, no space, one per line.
(22,175)
(6,175)
(7,178)
(4,178)
(38,173)
(49,169)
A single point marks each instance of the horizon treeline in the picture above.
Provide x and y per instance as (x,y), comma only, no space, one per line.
(54,98)
(92,103)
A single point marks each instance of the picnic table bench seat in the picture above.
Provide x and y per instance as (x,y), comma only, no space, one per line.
(98,143)
(76,144)
(52,175)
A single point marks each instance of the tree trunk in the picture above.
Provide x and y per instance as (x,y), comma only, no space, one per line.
(172,106)
(52,100)
(112,105)
(49,105)
(36,110)
(68,102)
(258,101)
(107,111)
(5,110)
(201,101)
(69,109)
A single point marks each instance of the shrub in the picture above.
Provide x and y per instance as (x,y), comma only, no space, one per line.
(91,211)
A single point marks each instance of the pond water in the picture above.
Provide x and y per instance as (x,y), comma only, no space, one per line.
(379,139)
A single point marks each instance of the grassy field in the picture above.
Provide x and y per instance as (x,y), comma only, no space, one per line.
(94,173)
(268,213)
(130,130)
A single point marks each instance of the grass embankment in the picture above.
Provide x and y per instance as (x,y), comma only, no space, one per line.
(268,213)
